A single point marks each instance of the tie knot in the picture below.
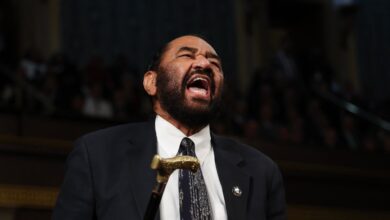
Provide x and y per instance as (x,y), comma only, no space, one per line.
(187,147)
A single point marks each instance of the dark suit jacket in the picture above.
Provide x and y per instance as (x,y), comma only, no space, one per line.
(108,176)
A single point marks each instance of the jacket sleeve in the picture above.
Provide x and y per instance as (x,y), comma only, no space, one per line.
(76,199)
(276,209)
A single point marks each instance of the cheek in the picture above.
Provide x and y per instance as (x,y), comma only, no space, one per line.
(218,78)
(177,71)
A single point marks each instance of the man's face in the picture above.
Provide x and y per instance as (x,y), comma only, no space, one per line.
(189,81)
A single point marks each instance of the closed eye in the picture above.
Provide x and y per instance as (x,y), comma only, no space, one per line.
(216,64)
(185,55)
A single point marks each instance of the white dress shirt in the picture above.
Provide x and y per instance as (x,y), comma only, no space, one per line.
(168,142)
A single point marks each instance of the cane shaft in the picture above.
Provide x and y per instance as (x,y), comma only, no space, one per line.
(154,201)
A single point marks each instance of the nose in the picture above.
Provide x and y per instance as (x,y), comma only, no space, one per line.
(201,62)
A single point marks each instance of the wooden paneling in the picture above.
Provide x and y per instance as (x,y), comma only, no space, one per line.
(18,196)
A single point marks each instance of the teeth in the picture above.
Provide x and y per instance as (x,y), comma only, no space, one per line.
(198,78)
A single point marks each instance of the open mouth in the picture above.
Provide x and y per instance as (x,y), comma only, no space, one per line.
(199,85)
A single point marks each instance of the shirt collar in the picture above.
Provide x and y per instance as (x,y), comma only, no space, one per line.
(169,138)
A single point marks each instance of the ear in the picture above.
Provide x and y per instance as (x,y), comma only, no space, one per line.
(150,83)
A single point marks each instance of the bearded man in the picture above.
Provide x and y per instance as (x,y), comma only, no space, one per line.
(108,173)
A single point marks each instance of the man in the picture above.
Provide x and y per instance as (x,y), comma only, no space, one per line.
(108,173)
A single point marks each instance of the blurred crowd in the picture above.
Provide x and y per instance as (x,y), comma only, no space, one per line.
(96,90)
(284,103)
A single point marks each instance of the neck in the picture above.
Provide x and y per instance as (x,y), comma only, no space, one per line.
(188,131)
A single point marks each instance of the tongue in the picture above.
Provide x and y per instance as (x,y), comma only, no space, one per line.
(197,90)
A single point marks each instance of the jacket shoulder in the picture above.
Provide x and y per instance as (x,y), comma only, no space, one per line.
(116,131)
(115,134)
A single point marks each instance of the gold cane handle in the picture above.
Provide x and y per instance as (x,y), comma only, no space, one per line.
(165,167)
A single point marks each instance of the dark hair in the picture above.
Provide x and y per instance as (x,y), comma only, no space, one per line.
(156,59)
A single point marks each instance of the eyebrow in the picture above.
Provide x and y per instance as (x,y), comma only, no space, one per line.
(190,49)
(194,50)
(213,55)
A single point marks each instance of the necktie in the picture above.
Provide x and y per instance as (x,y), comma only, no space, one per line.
(194,201)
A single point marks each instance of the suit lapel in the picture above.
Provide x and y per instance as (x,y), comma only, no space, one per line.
(143,148)
(229,166)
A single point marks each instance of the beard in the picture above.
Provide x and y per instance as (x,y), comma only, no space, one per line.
(171,95)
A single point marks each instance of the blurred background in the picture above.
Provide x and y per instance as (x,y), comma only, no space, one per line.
(306,83)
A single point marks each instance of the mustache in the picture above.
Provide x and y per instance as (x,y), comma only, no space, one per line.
(208,72)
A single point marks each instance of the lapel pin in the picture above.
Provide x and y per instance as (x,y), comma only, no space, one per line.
(236,191)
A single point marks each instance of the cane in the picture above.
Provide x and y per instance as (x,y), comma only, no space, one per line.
(165,168)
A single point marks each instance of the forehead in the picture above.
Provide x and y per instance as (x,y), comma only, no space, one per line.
(189,41)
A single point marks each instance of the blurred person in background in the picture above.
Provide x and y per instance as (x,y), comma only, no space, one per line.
(95,104)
